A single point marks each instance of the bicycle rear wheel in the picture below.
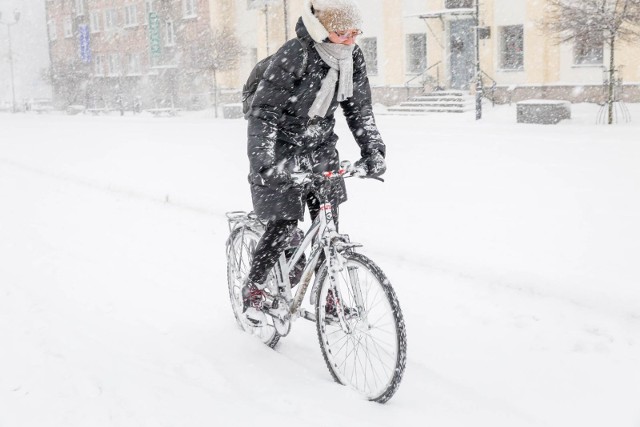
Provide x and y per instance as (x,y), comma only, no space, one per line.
(240,247)
(367,349)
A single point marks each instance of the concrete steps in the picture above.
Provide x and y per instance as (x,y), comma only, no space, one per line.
(435,102)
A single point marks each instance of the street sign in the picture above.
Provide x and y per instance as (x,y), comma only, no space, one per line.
(85,46)
(154,34)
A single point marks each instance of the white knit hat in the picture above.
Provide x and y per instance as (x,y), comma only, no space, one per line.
(329,16)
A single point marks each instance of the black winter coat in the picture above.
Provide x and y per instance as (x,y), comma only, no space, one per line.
(282,138)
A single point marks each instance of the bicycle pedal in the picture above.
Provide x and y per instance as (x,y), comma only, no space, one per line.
(255,318)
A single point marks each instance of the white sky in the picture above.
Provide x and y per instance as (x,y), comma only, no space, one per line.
(30,56)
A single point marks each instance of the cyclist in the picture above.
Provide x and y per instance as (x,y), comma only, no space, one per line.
(291,129)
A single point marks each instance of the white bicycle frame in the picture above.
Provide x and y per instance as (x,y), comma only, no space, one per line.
(323,237)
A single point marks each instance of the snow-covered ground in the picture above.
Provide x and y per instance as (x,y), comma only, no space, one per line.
(514,250)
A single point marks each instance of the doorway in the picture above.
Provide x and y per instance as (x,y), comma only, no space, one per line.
(461,53)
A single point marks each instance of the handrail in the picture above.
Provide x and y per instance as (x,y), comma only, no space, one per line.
(495,83)
(422,74)
(492,98)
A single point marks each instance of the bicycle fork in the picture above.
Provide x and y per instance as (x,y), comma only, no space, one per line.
(337,265)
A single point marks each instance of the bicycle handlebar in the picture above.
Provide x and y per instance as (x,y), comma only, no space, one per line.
(347,170)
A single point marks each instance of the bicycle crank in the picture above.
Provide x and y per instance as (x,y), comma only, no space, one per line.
(281,318)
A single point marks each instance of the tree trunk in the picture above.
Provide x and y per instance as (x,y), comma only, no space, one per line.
(611,80)
(215,93)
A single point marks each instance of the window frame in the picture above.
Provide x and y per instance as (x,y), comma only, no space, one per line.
(189,9)
(98,65)
(369,47)
(170,33)
(148,8)
(583,49)
(113,65)
(67,26)
(131,15)
(52,30)
(510,60)
(110,19)
(79,7)
(94,21)
(134,64)
(416,61)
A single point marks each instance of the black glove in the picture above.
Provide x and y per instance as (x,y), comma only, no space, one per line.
(374,164)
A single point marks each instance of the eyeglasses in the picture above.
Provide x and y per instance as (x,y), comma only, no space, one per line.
(346,35)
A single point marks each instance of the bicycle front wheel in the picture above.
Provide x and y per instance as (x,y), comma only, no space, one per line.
(361,329)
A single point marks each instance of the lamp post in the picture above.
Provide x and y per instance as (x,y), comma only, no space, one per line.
(16,18)
(285,12)
(266,24)
(479,87)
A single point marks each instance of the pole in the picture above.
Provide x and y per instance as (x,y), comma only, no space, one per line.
(479,88)
(13,88)
(612,77)
(266,25)
(286,19)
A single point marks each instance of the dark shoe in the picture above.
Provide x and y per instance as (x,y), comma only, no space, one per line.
(253,304)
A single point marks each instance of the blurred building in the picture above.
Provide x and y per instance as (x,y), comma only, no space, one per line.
(518,59)
(109,53)
(415,45)
(157,52)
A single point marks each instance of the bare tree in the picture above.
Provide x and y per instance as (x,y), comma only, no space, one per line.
(68,78)
(595,22)
(217,51)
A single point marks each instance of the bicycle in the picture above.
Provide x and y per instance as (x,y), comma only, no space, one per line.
(358,319)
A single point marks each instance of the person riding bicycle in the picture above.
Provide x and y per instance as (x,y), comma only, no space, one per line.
(291,129)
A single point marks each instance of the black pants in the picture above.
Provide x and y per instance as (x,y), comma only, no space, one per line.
(276,239)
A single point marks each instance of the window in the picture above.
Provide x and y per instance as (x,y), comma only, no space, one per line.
(110,19)
(416,53)
(114,65)
(369,46)
(98,65)
(130,15)
(67,26)
(189,8)
(512,47)
(134,68)
(170,34)
(588,50)
(458,4)
(94,22)
(53,30)
(148,8)
(79,7)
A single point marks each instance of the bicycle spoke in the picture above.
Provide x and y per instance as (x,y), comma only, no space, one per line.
(376,376)
(379,347)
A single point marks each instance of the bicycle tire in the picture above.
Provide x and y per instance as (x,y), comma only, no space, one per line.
(240,246)
(330,339)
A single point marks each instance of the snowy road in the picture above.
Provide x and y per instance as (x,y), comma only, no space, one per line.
(515,263)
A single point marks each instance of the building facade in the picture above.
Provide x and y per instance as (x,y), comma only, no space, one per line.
(109,53)
(150,51)
(411,44)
